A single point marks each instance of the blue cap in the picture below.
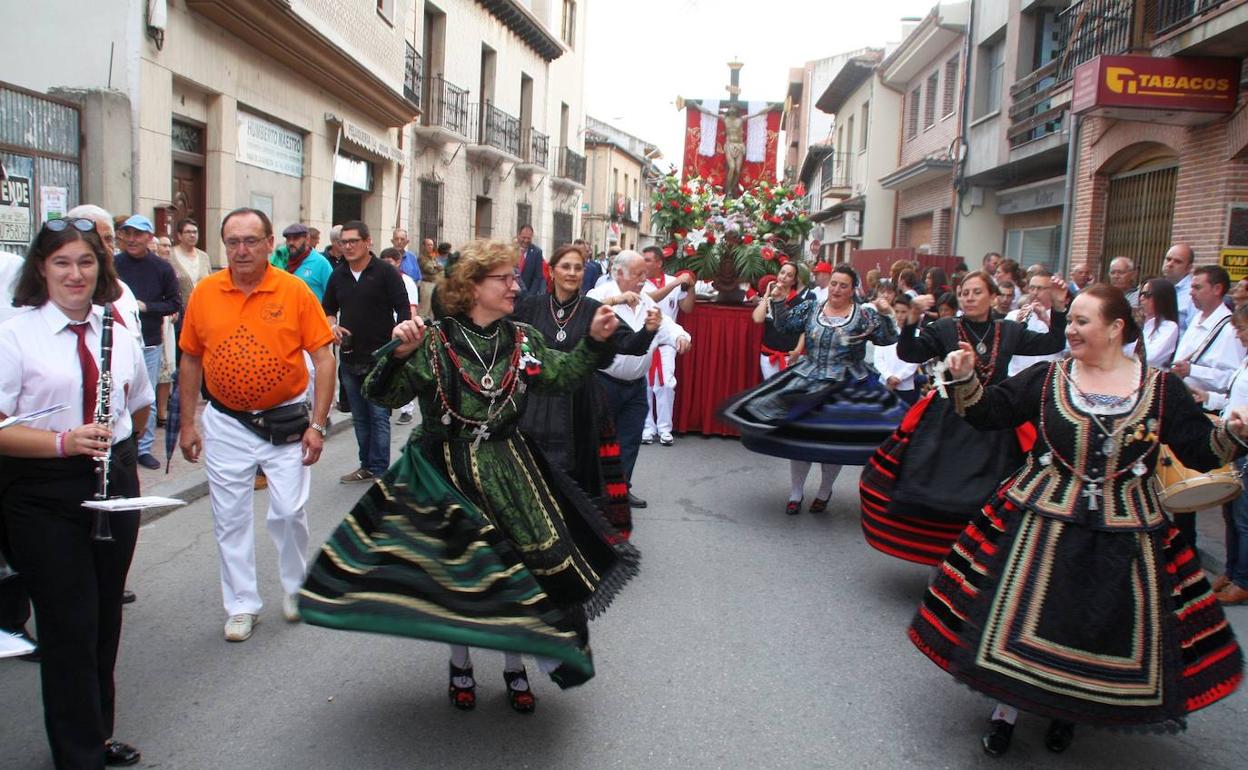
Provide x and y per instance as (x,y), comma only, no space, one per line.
(140,222)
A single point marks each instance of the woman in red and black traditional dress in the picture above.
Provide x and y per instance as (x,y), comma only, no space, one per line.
(930,478)
(1071,595)
(779,346)
(575,430)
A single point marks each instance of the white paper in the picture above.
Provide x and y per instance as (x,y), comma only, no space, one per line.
(12,645)
(30,416)
(133,503)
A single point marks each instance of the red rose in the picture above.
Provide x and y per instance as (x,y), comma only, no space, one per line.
(675,204)
(688,209)
(690,251)
(768,253)
(710,238)
(668,250)
(747,240)
(801,189)
(684,188)
(784,260)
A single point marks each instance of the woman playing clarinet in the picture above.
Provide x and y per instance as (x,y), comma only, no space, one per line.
(52,355)
(926,482)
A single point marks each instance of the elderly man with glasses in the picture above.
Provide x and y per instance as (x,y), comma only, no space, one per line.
(1122,276)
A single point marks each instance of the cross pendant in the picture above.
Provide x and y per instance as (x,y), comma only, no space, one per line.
(1093,492)
(480,433)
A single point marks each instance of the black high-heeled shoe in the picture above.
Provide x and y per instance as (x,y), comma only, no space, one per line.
(793,507)
(462,698)
(997,740)
(819,505)
(521,693)
(1059,736)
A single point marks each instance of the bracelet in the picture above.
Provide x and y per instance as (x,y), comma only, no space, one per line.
(60,443)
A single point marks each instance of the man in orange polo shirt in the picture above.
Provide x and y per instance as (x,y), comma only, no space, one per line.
(243,336)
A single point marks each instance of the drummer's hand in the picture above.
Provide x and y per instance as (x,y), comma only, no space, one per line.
(1198,395)
(1182,368)
(411,332)
(91,440)
(961,362)
(604,324)
(1237,422)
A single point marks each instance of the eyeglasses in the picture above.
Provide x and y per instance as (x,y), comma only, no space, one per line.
(349,241)
(250,242)
(1146,295)
(509,279)
(61,225)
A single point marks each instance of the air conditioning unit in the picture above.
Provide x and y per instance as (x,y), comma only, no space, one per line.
(852,224)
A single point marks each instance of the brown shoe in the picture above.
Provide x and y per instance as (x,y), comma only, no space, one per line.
(1220,582)
(357,476)
(1233,594)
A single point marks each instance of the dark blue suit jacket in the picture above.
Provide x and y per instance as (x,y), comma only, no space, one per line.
(532,277)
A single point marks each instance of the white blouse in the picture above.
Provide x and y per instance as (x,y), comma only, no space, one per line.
(1160,340)
(39,368)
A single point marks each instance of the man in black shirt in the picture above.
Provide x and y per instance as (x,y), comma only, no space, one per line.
(364,300)
(155,286)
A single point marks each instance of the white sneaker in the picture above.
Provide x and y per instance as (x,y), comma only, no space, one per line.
(290,608)
(238,628)
(666,439)
(647,438)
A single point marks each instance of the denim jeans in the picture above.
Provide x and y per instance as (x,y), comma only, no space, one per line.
(629,407)
(1236,515)
(372,424)
(151,360)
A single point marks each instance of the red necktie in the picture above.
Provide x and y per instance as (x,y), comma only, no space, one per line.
(90,373)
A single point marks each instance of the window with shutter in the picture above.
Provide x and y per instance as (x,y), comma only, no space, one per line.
(929,109)
(912,118)
(951,87)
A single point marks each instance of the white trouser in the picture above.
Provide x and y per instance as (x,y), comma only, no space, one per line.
(231,454)
(769,369)
(661,392)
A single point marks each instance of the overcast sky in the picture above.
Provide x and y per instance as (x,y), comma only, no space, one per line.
(642,54)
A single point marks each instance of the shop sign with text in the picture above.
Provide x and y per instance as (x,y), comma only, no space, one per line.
(1188,84)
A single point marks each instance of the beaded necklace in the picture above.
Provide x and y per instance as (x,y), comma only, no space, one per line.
(1093,487)
(510,385)
(985,369)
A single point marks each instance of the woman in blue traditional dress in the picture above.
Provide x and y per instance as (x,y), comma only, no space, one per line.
(472,537)
(830,407)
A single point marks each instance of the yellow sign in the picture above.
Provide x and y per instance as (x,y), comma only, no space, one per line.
(1119,79)
(1235,262)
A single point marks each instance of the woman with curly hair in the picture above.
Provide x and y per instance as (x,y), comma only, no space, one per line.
(473,538)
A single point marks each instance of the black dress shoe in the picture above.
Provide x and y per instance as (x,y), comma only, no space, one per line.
(127,596)
(1059,736)
(118,754)
(997,740)
(635,502)
(148,461)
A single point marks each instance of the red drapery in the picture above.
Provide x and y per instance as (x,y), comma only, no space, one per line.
(723,361)
(712,168)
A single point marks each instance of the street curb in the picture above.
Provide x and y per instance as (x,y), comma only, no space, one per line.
(194,485)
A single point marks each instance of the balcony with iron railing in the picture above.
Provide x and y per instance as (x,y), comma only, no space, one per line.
(1162,16)
(493,133)
(570,168)
(836,175)
(1039,101)
(444,116)
(413,74)
(537,148)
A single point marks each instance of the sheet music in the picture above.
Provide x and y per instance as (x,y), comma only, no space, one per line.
(18,419)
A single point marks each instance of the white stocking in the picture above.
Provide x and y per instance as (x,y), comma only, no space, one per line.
(1005,713)
(798,471)
(830,472)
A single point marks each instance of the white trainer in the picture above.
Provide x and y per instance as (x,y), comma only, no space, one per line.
(290,608)
(666,439)
(239,627)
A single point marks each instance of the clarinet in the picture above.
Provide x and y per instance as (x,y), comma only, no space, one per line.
(101,530)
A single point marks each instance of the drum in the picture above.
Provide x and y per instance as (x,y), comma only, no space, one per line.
(1182,490)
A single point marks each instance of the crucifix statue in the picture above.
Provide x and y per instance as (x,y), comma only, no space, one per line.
(734,118)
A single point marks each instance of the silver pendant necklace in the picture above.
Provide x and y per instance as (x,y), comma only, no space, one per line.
(981,347)
(559,312)
(487,381)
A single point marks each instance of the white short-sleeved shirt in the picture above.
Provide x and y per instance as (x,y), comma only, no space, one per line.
(39,368)
(669,305)
(413,291)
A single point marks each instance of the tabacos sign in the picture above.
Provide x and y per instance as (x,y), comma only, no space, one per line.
(1172,84)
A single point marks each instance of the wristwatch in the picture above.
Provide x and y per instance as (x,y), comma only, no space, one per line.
(321,429)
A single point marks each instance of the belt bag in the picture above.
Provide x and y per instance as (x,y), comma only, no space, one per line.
(279,426)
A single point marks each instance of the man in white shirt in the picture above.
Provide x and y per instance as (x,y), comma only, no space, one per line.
(822,274)
(625,379)
(1034,313)
(1178,270)
(1209,351)
(672,296)
(1122,277)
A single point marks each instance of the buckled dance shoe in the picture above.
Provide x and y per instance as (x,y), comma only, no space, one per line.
(793,507)
(522,698)
(819,506)
(462,688)
(997,740)
(118,754)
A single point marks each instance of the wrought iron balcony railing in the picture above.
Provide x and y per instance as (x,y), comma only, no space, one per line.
(571,165)
(836,173)
(447,105)
(538,146)
(494,128)
(1164,15)
(413,74)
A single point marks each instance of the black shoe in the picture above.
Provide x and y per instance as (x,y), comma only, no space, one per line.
(462,698)
(127,596)
(162,422)
(793,507)
(117,753)
(518,689)
(149,462)
(635,501)
(997,740)
(1059,736)
(404,418)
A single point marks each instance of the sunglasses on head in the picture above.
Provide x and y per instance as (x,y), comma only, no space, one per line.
(61,225)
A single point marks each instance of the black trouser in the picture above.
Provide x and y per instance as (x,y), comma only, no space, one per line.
(14,599)
(75,584)
(629,407)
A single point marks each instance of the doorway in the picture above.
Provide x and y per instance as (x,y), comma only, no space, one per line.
(348,204)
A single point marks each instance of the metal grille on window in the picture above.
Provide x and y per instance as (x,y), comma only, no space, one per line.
(524,215)
(563,228)
(1138,218)
(430,210)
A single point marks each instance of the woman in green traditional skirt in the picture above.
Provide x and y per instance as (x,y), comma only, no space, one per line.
(472,537)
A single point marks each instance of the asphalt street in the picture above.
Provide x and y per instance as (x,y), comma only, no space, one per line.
(751,639)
